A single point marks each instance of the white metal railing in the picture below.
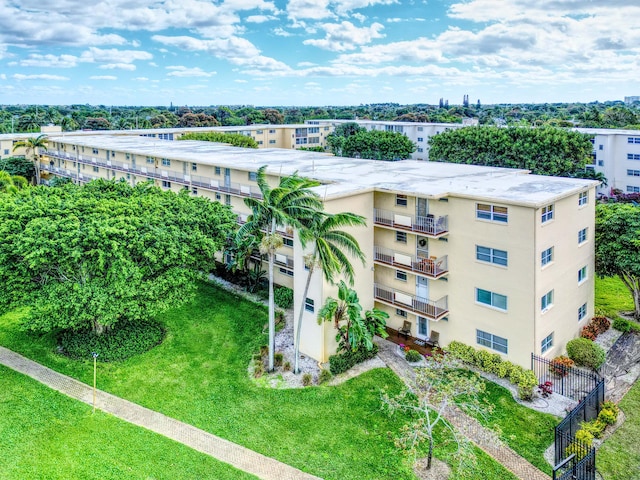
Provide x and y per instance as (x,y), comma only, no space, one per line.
(429,225)
(433,309)
(431,266)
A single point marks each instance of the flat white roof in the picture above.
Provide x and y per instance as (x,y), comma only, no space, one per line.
(345,176)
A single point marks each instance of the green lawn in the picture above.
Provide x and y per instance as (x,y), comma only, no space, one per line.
(526,431)
(612,296)
(198,375)
(44,434)
(619,456)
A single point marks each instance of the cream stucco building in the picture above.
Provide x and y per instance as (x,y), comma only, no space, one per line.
(495,258)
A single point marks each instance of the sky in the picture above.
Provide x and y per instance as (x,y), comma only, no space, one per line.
(317,52)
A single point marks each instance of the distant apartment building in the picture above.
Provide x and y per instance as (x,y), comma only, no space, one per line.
(495,258)
(632,99)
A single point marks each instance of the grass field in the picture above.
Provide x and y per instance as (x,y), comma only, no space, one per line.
(612,296)
(199,375)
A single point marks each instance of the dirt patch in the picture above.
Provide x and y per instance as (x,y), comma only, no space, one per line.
(439,470)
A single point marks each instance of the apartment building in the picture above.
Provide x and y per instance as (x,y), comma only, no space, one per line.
(616,154)
(496,258)
(418,133)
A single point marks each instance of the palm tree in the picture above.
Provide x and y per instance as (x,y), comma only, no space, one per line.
(328,254)
(31,145)
(344,312)
(287,205)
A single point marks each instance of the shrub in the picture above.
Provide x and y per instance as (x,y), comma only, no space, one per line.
(125,340)
(325,376)
(283,296)
(575,447)
(344,361)
(278,357)
(462,352)
(609,405)
(607,417)
(264,350)
(594,427)
(306,379)
(526,383)
(258,369)
(413,356)
(502,369)
(625,326)
(561,365)
(286,366)
(589,331)
(584,437)
(586,353)
(483,359)
(600,323)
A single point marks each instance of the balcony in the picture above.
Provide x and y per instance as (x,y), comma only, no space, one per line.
(280,260)
(432,309)
(287,233)
(64,172)
(151,171)
(431,267)
(429,225)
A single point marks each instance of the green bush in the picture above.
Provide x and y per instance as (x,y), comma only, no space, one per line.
(462,352)
(413,356)
(344,361)
(526,383)
(607,417)
(609,405)
(325,376)
(306,379)
(625,326)
(283,296)
(278,357)
(594,427)
(125,340)
(586,353)
(585,437)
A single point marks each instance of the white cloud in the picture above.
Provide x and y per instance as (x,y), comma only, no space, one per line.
(181,71)
(113,55)
(281,32)
(239,80)
(260,18)
(309,9)
(119,66)
(358,16)
(103,77)
(3,76)
(141,79)
(42,76)
(49,61)
(345,36)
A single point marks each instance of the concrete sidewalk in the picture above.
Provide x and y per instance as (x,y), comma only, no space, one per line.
(240,457)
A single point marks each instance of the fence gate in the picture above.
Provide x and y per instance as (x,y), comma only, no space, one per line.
(579,465)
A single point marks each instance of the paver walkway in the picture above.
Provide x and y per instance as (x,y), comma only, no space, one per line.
(219,448)
(469,426)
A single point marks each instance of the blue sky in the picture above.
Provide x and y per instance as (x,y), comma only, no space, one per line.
(317,52)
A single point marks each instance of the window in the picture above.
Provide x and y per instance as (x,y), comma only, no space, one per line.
(547,213)
(94,151)
(583,197)
(308,305)
(633,173)
(582,236)
(314,140)
(253,176)
(272,142)
(420,129)
(259,132)
(287,242)
(420,139)
(633,189)
(150,160)
(494,342)
(401,313)
(128,156)
(227,199)
(217,170)
(420,149)
(272,131)
(96,169)
(400,275)
(546,301)
(194,167)
(633,156)
(633,139)
(547,256)
(166,184)
(491,212)
(260,142)
(491,255)
(313,130)
(218,197)
(582,274)
(492,299)
(286,272)
(166,162)
(401,200)
(582,311)
(301,141)
(194,190)
(547,343)
(401,237)
(600,147)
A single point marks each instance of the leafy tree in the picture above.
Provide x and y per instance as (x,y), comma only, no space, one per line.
(11,183)
(354,331)
(104,253)
(439,390)
(289,204)
(234,139)
(31,146)
(544,151)
(378,145)
(18,166)
(328,255)
(618,246)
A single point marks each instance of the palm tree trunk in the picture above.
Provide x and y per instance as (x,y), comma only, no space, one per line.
(36,164)
(272,305)
(296,368)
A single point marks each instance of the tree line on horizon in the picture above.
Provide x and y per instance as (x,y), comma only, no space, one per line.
(29,118)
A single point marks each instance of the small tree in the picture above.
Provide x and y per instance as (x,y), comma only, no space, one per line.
(31,146)
(440,390)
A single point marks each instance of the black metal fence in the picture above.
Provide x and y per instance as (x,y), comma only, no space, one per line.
(570,382)
(586,410)
(579,464)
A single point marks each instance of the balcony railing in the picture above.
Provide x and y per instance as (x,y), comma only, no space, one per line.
(242,219)
(432,309)
(152,171)
(65,172)
(431,267)
(280,260)
(429,225)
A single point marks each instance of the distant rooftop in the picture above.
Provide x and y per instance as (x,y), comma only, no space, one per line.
(345,176)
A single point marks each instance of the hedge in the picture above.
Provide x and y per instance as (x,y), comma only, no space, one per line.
(586,353)
(489,362)
(344,361)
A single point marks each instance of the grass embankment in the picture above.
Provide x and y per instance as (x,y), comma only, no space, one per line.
(199,375)
(612,297)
